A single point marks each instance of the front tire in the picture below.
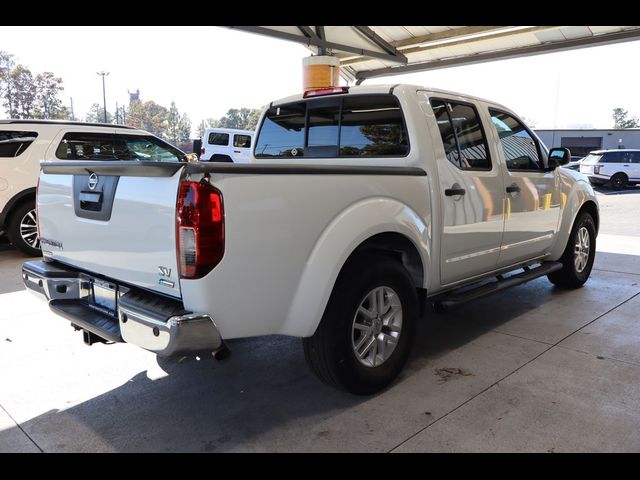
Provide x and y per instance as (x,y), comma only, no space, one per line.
(22,229)
(366,332)
(578,256)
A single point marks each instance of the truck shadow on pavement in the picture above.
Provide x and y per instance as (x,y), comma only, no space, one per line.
(11,261)
(263,398)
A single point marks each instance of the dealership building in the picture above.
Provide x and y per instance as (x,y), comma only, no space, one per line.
(581,142)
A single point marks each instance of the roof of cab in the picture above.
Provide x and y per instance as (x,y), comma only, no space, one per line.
(388,89)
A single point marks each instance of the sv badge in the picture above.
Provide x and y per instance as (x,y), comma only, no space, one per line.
(164,271)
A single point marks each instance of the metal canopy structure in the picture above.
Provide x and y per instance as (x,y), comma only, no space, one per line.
(367,52)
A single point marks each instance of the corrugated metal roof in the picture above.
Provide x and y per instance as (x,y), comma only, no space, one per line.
(373,51)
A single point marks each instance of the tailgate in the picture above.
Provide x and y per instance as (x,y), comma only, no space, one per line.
(116,219)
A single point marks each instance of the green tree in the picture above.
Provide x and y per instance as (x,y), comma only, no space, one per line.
(148,116)
(204,124)
(24,92)
(49,104)
(173,123)
(184,128)
(621,119)
(237,118)
(96,114)
(6,91)
(252,121)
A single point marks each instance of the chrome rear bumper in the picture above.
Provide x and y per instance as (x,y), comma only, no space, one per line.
(145,319)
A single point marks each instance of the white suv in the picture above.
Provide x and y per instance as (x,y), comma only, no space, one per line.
(619,168)
(25,143)
(226,145)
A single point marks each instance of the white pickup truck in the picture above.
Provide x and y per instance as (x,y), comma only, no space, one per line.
(360,205)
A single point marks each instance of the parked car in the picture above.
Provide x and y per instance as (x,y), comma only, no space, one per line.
(574,164)
(226,145)
(618,168)
(360,205)
(25,143)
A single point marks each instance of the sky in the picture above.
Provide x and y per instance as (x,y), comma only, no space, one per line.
(208,70)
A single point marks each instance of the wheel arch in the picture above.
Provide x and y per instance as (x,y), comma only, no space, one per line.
(15,202)
(381,225)
(580,199)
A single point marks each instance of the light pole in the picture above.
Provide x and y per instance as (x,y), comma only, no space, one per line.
(104,97)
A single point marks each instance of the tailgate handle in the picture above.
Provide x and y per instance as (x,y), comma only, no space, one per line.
(90,200)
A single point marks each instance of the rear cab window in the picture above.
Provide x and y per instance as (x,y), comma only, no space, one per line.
(335,126)
(14,143)
(114,147)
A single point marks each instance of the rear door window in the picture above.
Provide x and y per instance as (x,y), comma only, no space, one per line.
(462,135)
(15,143)
(216,138)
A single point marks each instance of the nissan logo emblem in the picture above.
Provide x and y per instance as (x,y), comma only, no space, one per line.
(93,181)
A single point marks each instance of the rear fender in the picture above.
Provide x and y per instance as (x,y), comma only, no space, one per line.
(342,236)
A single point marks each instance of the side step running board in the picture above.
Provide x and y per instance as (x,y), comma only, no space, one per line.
(456,298)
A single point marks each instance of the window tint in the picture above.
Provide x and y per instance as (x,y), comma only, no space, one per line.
(372,125)
(323,125)
(88,146)
(282,132)
(14,143)
(242,141)
(359,125)
(473,146)
(519,147)
(462,136)
(99,146)
(621,157)
(150,149)
(446,131)
(219,139)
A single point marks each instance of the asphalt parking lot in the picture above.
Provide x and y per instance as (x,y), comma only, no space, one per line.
(532,369)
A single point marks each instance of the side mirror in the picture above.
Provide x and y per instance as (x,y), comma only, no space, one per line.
(559,157)
(191,157)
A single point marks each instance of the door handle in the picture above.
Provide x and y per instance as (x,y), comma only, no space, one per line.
(236,151)
(454,190)
(513,188)
(625,165)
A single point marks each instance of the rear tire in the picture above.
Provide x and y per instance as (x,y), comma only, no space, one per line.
(619,181)
(366,332)
(578,256)
(22,229)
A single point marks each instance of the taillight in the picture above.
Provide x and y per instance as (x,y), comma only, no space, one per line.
(199,229)
(596,169)
(325,91)
(202,151)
